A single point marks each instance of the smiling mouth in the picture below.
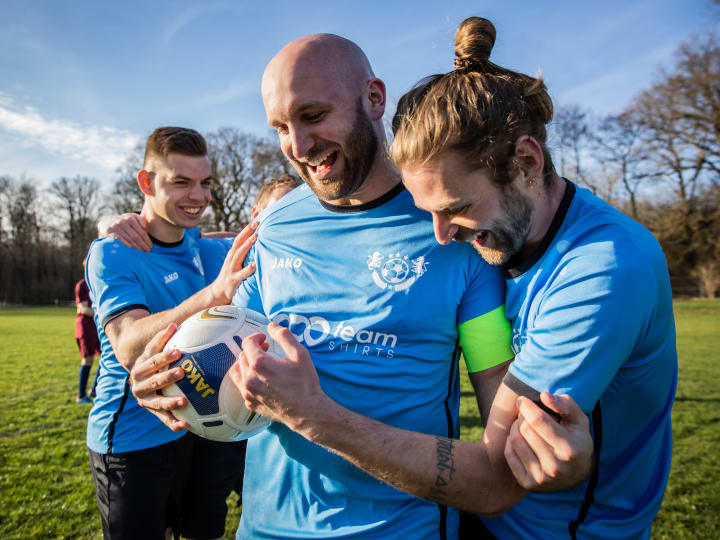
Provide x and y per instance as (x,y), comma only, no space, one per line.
(322,164)
(192,211)
(481,238)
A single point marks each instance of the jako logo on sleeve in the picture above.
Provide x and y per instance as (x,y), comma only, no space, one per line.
(171,277)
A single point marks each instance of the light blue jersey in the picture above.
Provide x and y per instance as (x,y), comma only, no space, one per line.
(121,279)
(377,302)
(592,317)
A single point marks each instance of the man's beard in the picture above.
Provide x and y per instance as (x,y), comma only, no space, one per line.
(360,149)
(506,233)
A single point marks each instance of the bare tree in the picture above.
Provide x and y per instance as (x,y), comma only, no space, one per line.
(619,148)
(241,163)
(571,129)
(78,204)
(21,203)
(126,195)
(680,119)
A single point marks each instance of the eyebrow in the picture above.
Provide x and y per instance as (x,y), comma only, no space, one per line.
(182,177)
(449,206)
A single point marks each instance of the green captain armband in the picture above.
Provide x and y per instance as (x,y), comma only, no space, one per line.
(485,340)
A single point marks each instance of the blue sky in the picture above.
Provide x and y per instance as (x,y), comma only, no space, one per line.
(81,82)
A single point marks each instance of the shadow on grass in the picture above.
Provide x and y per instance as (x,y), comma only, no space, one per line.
(471,421)
(682,399)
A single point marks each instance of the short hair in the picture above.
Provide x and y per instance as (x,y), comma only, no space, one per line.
(267,189)
(479,110)
(174,140)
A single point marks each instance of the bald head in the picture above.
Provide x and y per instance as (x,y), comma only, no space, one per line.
(321,56)
(325,103)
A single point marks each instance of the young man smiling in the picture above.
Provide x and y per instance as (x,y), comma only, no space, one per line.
(143,471)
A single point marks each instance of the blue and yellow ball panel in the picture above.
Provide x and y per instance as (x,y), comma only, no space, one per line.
(201,385)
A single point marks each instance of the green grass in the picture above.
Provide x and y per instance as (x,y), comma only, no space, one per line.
(46,490)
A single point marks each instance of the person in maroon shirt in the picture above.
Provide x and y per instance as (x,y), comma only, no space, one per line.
(87,339)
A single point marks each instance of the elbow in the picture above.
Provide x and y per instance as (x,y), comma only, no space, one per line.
(496,502)
(124,357)
(494,508)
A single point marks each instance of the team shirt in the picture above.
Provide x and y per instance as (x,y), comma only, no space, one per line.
(377,301)
(592,317)
(121,279)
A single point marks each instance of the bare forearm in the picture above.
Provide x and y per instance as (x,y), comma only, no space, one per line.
(132,337)
(448,471)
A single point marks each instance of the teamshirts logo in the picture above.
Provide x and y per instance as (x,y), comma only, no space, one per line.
(395,271)
(317,331)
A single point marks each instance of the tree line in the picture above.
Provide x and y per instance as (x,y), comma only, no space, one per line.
(45,231)
(658,161)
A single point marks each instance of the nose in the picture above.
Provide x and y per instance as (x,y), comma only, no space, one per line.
(299,142)
(443,228)
(199,192)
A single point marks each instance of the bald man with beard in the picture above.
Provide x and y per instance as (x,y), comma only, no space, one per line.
(370,311)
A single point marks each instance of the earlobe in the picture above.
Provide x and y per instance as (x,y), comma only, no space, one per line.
(143,179)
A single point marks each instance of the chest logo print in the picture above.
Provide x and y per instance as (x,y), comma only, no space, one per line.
(395,272)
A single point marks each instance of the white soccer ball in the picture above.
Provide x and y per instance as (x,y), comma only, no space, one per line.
(210,341)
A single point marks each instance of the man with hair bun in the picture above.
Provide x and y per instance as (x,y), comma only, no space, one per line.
(372,315)
(588,292)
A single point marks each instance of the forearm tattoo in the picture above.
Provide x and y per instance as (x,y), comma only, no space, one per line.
(445,469)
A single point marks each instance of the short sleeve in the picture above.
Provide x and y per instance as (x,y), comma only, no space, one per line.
(485,291)
(112,280)
(588,322)
(482,326)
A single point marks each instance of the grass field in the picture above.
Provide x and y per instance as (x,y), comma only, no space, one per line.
(45,485)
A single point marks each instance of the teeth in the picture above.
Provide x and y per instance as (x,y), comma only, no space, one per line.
(191,210)
(318,160)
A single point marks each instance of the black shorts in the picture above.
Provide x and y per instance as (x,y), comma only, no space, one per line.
(182,485)
(139,493)
(217,468)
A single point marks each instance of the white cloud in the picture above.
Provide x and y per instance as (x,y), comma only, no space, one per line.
(99,145)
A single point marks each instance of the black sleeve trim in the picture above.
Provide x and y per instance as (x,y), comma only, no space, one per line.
(522,389)
(115,314)
(116,415)
(592,484)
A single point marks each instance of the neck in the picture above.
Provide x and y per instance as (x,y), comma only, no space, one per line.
(546,201)
(159,228)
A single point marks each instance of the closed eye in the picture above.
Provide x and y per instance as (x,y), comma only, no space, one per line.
(314,117)
(455,211)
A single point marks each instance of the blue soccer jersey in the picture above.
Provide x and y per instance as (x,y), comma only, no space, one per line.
(121,279)
(377,302)
(592,317)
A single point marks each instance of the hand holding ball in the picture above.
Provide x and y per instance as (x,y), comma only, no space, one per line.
(210,341)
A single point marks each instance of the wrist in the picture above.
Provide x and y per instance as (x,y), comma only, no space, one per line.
(217,295)
(319,420)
